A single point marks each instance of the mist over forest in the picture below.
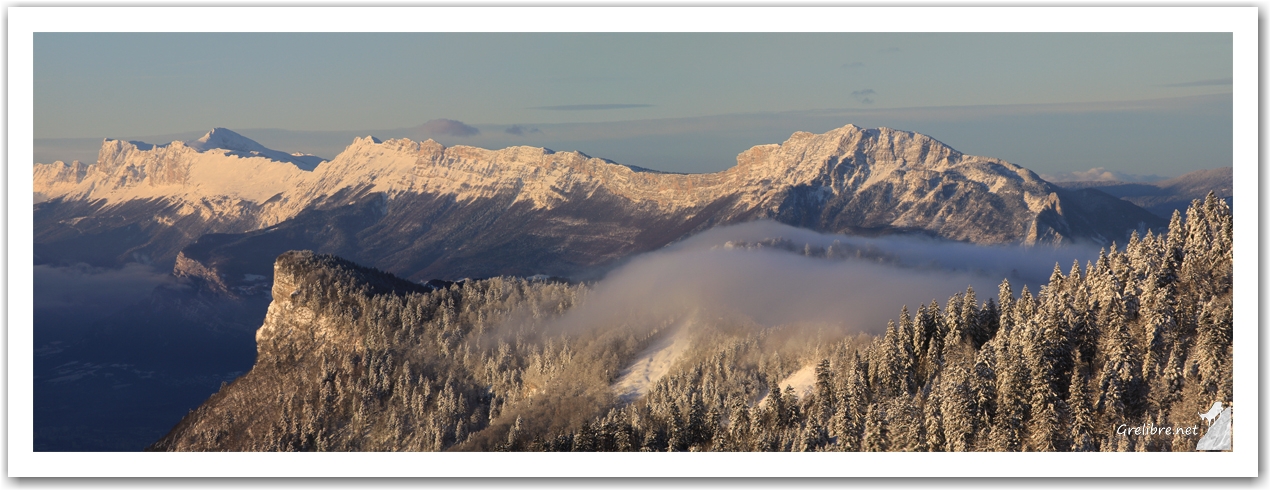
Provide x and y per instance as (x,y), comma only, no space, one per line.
(769,341)
(773,274)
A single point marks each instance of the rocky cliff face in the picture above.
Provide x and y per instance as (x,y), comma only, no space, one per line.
(314,297)
(352,358)
(424,210)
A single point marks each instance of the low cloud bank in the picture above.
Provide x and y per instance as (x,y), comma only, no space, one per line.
(1031,265)
(81,286)
(771,286)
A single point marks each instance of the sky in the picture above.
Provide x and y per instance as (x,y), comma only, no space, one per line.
(1138,104)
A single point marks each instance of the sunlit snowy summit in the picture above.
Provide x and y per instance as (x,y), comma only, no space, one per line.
(239,145)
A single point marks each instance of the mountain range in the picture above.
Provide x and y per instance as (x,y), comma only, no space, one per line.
(1166,196)
(223,207)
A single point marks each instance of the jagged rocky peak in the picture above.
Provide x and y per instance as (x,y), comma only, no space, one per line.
(61,171)
(852,145)
(187,267)
(56,178)
(113,150)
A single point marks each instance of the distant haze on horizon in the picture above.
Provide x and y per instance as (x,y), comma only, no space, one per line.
(1135,104)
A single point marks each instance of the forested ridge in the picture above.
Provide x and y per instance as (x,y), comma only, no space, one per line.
(353,359)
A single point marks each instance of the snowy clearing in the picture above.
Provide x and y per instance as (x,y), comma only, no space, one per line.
(653,363)
(803,381)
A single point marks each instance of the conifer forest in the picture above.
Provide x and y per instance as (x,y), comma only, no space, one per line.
(354,359)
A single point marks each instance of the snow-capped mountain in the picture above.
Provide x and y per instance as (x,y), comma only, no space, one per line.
(220,165)
(237,144)
(424,210)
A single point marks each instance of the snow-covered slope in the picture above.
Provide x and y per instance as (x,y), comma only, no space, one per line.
(652,364)
(57,178)
(214,176)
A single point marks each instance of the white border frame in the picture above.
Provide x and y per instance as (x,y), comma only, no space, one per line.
(1241,21)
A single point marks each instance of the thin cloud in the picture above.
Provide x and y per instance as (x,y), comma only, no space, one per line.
(1099,174)
(1214,82)
(853,64)
(864,96)
(519,130)
(448,127)
(590,107)
(888,50)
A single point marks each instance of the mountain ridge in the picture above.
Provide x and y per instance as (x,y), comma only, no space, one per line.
(425,210)
(759,166)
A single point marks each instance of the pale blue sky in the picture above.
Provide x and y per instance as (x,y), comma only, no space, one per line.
(719,90)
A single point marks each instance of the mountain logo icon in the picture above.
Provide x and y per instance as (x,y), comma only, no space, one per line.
(1217,438)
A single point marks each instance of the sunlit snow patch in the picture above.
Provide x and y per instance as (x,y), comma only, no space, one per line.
(803,381)
(651,365)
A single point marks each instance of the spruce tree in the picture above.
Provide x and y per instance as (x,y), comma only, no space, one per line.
(876,433)
(1083,437)
(934,422)
(957,408)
